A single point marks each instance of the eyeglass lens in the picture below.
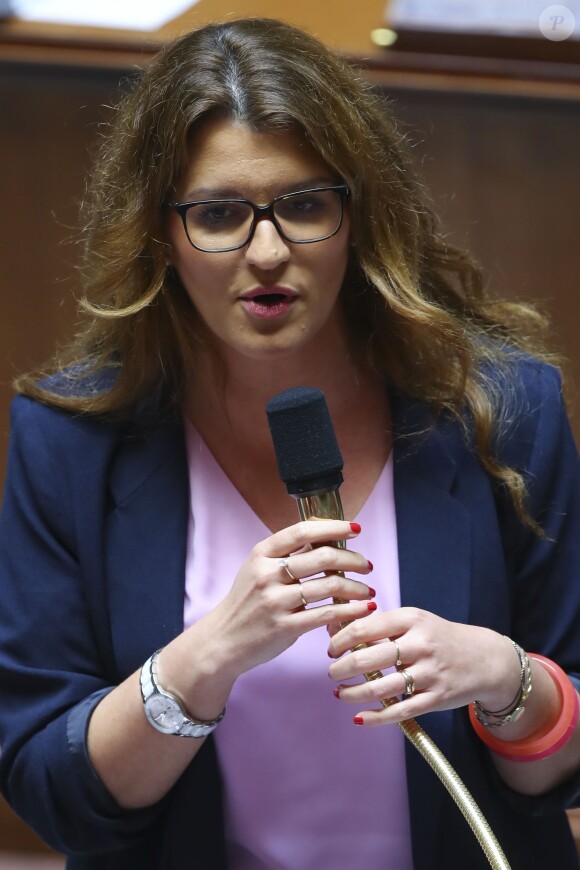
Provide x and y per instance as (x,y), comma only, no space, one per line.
(303,216)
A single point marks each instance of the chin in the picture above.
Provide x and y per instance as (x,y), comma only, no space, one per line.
(292,342)
(273,351)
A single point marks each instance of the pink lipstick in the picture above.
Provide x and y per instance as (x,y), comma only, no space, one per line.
(268,302)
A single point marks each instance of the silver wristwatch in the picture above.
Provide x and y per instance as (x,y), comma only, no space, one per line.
(164,711)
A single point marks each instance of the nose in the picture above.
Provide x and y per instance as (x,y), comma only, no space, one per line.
(267,249)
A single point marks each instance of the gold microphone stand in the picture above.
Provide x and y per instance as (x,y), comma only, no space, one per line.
(328,505)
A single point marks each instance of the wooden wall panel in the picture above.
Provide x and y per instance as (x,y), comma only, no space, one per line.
(504,174)
(49,121)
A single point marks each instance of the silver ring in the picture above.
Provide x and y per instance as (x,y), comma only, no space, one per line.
(302,598)
(398,661)
(283,563)
(409,683)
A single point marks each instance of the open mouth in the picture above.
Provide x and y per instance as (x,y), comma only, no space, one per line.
(266,304)
(270,298)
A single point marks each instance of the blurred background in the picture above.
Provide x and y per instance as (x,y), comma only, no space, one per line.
(487,92)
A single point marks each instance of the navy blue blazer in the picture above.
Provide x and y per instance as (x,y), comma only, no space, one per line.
(92,555)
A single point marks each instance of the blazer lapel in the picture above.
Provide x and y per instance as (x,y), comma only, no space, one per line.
(433,527)
(146,543)
(434,540)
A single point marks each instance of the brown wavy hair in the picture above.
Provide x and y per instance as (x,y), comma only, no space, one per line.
(416,305)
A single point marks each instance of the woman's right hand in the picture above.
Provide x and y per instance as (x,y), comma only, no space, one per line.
(263,613)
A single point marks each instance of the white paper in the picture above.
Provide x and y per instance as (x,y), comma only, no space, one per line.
(123,14)
(483,16)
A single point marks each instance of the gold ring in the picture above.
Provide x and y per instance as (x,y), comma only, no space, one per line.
(409,683)
(283,563)
(398,661)
(303,599)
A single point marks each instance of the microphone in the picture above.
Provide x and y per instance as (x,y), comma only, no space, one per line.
(307,452)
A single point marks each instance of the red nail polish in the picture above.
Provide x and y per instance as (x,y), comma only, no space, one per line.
(355,527)
(358,720)
(372,592)
(371,606)
(370,564)
(336,693)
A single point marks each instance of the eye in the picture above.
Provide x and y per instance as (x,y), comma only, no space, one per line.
(218,216)
(305,206)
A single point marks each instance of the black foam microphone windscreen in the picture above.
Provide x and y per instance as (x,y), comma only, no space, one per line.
(307,452)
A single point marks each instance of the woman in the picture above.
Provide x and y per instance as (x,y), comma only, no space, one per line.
(253,225)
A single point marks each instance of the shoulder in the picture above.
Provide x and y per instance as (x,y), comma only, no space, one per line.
(46,409)
(46,442)
(81,378)
(535,438)
(39,427)
(58,462)
(524,382)
(72,470)
(521,391)
(530,409)
(42,420)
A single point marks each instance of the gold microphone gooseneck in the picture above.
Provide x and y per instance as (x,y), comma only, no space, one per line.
(310,464)
(327,505)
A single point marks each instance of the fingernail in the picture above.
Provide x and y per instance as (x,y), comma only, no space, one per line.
(371,605)
(358,720)
(372,592)
(336,693)
(330,655)
(355,527)
(370,564)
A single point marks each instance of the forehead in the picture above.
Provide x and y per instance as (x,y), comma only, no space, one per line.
(227,158)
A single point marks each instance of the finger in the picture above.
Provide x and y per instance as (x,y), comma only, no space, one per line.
(336,586)
(330,586)
(390,623)
(303,601)
(325,559)
(295,537)
(397,711)
(393,655)
(390,685)
(377,656)
(287,575)
(317,616)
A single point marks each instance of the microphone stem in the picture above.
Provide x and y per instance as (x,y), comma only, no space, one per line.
(324,505)
(327,505)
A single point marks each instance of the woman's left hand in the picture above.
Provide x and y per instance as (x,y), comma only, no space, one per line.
(444,664)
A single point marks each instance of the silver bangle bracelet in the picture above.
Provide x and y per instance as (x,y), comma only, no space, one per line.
(497,718)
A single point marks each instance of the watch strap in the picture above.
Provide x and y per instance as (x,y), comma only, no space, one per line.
(189,727)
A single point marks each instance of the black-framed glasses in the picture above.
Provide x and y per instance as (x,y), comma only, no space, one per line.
(302,217)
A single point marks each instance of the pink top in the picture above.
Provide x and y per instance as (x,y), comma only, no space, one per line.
(304,787)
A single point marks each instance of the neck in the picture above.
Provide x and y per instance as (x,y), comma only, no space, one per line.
(238,395)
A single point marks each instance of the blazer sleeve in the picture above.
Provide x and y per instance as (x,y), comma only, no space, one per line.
(52,662)
(545,570)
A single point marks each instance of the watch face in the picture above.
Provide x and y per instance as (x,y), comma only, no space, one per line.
(165,713)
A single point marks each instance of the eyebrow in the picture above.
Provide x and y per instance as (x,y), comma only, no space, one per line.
(201,193)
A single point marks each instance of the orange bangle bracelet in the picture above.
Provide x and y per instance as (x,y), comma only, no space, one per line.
(547,739)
